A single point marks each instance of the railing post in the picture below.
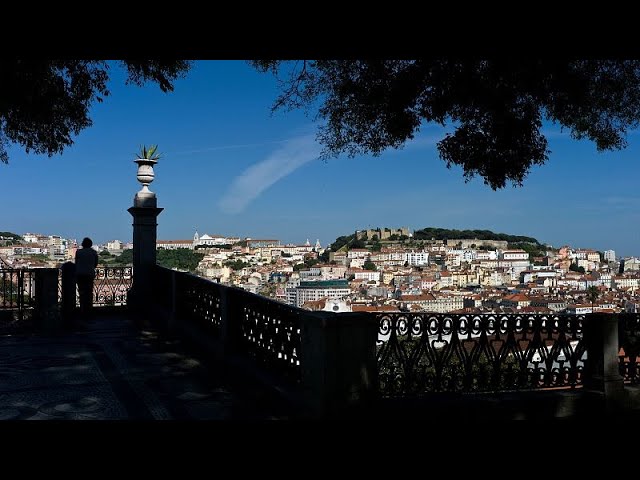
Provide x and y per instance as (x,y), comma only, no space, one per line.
(231,312)
(603,374)
(226,329)
(46,310)
(338,360)
(173,311)
(68,295)
(144,255)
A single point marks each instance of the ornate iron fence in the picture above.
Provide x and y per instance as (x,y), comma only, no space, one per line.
(110,286)
(17,288)
(629,341)
(424,353)
(270,332)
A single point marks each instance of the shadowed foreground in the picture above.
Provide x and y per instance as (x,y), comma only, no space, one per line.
(114,371)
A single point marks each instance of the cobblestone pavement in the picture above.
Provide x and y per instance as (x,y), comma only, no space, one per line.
(113,371)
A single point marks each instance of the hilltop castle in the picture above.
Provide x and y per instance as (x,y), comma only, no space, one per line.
(381,233)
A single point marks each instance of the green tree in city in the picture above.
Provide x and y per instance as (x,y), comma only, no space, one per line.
(593,294)
(575,268)
(236,264)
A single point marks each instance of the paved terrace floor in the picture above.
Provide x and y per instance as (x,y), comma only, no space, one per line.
(115,371)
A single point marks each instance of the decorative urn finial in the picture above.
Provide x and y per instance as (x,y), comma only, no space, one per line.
(146,159)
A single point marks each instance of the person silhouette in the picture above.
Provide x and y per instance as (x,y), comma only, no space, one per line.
(86,263)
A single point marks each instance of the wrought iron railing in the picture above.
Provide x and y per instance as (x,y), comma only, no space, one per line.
(110,286)
(270,332)
(17,287)
(629,353)
(424,353)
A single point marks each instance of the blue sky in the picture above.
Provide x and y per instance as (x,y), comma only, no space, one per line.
(230,167)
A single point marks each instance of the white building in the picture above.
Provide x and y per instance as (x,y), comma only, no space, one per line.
(31,237)
(368,275)
(173,244)
(515,255)
(610,255)
(312,291)
(417,258)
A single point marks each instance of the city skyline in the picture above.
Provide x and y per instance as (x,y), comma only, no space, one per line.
(229,167)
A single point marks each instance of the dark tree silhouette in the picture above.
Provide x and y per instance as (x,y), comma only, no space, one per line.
(44,103)
(496,107)
(593,294)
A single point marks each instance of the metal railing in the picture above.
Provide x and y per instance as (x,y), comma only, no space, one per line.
(110,286)
(629,352)
(338,357)
(425,353)
(17,288)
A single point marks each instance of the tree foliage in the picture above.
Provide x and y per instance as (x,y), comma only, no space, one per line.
(236,264)
(180,258)
(125,258)
(447,234)
(575,268)
(341,242)
(533,249)
(593,294)
(44,103)
(15,238)
(495,107)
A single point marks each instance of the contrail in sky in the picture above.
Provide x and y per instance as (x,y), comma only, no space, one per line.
(260,176)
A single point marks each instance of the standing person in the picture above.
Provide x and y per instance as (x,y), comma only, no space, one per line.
(86,263)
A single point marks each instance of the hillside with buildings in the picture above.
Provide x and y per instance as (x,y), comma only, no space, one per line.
(384,270)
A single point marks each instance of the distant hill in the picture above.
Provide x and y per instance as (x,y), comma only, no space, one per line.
(530,244)
(13,238)
(448,234)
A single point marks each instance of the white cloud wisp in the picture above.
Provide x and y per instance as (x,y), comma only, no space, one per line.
(260,176)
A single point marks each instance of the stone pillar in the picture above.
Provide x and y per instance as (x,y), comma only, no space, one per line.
(46,310)
(603,375)
(68,300)
(338,361)
(144,254)
(145,213)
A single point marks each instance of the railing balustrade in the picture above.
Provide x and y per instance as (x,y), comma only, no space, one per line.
(415,353)
(110,286)
(197,301)
(420,353)
(270,332)
(629,353)
(17,288)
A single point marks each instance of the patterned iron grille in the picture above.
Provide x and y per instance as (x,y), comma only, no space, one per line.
(198,301)
(270,332)
(16,289)
(419,354)
(629,353)
(110,286)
